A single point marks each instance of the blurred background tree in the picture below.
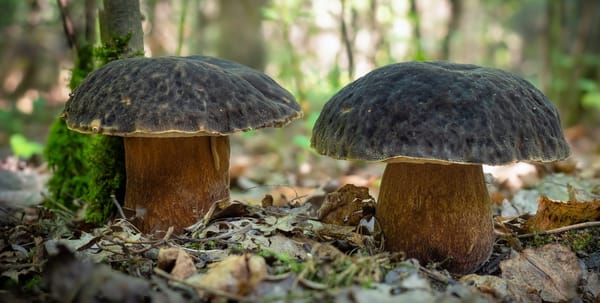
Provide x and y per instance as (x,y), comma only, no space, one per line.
(311,47)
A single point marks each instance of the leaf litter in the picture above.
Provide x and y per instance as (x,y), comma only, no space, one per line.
(301,246)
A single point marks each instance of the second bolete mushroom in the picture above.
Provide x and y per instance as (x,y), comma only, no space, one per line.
(175,114)
(435,124)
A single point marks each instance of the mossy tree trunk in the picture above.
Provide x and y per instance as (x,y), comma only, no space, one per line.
(120,18)
(65,149)
(120,22)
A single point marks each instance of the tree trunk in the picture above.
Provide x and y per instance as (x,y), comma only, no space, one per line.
(240,28)
(120,18)
(453,23)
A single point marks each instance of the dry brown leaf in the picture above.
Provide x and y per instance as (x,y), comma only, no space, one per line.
(176,261)
(553,214)
(553,270)
(498,288)
(346,206)
(235,274)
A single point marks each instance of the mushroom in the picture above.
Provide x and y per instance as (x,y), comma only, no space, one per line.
(175,114)
(435,124)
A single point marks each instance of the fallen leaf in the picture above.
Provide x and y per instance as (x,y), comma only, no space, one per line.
(553,214)
(176,261)
(235,274)
(552,269)
(347,206)
(499,289)
(72,280)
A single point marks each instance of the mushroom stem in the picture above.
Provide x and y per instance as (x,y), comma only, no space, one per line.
(437,213)
(174,181)
(214,151)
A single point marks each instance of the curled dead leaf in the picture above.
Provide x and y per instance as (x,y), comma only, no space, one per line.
(235,274)
(176,261)
(553,214)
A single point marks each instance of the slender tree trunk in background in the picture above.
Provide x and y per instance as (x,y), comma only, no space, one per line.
(416,18)
(120,18)
(456,7)
(347,38)
(377,34)
(568,35)
(577,51)
(240,28)
(90,21)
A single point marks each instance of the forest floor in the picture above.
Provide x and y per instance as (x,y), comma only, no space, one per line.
(267,243)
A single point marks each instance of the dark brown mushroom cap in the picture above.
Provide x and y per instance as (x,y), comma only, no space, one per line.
(178,96)
(440,111)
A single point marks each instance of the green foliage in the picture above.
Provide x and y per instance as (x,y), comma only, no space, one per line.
(32,284)
(24,148)
(282,262)
(591,93)
(106,156)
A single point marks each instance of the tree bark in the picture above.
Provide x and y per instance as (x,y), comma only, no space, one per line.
(453,23)
(120,18)
(240,28)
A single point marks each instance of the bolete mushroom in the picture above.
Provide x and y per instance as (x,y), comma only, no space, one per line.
(435,124)
(175,114)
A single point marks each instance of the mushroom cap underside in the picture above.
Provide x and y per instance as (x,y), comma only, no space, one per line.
(440,112)
(178,97)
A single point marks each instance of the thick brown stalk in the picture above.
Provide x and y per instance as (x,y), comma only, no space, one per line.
(437,213)
(174,181)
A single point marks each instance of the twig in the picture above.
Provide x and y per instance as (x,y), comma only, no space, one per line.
(436,275)
(67,22)
(561,229)
(207,289)
(221,236)
(118,206)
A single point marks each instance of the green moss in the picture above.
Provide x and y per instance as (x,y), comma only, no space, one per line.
(107,172)
(32,284)
(116,49)
(65,155)
(584,240)
(88,168)
(84,64)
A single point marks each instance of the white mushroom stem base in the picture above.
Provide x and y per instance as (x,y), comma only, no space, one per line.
(437,213)
(174,181)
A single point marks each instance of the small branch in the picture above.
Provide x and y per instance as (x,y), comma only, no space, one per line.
(562,229)
(67,22)
(118,206)
(221,236)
